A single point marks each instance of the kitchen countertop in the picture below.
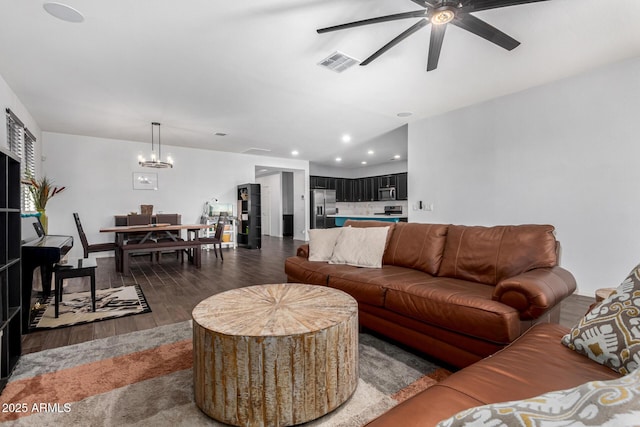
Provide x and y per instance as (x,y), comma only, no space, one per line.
(371,216)
(340,219)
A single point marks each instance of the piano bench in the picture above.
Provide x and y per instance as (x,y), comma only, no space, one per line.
(74,267)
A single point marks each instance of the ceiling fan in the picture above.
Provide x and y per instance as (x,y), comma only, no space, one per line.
(439,13)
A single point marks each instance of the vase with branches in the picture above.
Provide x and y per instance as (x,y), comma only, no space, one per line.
(42,190)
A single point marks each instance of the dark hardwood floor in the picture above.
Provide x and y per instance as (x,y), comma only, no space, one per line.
(173,290)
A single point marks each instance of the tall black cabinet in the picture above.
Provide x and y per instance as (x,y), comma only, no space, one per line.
(249,216)
(10,280)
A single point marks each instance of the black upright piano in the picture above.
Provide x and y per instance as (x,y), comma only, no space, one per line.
(39,250)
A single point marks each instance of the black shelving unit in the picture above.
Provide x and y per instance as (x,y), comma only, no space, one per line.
(10,273)
(249,216)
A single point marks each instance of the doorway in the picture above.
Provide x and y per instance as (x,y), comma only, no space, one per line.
(265,201)
(285,201)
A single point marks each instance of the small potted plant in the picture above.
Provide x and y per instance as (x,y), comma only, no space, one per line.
(41,191)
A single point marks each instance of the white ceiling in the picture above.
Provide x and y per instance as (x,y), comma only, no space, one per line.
(249,69)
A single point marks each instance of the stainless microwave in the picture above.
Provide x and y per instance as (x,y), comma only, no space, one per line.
(387,193)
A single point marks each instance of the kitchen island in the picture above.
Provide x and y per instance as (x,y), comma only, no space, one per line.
(342,218)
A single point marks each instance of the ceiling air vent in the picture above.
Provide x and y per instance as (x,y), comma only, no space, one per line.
(338,62)
(255,150)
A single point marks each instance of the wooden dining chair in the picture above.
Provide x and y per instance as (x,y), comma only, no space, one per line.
(138,219)
(133,238)
(173,219)
(217,236)
(90,248)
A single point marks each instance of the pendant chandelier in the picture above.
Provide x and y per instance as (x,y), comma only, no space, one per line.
(156,160)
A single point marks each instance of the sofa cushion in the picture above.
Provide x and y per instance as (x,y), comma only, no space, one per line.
(300,269)
(454,304)
(322,242)
(609,334)
(596,403)
(417,246)
(490,254)
(360,247)
(368,285)
(535,363)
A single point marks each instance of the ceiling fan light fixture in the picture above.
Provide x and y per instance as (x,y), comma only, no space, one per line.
(442,16)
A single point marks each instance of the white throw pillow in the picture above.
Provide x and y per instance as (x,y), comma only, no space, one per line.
(360,247)
(322,242)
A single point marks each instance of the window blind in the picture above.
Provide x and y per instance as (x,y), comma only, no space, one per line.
(22,142)
(15,133)
(28,167)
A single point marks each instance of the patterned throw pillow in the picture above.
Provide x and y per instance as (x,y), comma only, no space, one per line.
(610,333)
(597,403)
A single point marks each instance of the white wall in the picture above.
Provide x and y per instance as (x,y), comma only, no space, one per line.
(300,205)
(98,175)
(565,154)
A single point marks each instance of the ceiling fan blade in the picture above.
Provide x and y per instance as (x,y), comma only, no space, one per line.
(494,4)
(435,45)
(480,28)
(406,33)
(424,3)
(394,17)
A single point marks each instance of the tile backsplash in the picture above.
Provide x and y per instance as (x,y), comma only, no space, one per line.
(369,208)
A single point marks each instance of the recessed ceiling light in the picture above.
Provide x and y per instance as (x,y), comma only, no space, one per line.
(363,162)
(338,159)
(64,12)
(405,114)
(370,152)
(346,138)
(397,156)
(294,153)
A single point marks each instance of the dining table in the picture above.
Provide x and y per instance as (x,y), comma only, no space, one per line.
(154,229)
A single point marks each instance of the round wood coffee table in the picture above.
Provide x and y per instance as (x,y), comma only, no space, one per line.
(274,355)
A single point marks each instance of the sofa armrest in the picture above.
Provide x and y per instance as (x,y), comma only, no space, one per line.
(536,291)
(303,250)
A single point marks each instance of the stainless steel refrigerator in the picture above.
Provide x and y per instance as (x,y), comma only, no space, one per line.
(323,203)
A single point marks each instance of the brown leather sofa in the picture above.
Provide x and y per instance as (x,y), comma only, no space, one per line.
(458,293)
(534,364)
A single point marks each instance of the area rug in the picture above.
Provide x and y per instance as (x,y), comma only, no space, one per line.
(145,379)
(75,308)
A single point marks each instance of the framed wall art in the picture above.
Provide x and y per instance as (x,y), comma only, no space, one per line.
(145,181)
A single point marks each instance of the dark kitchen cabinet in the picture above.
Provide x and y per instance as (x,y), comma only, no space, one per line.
(344,190)
(367,191)
(322,182)
(386,181)
(402,187)
(361,189)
